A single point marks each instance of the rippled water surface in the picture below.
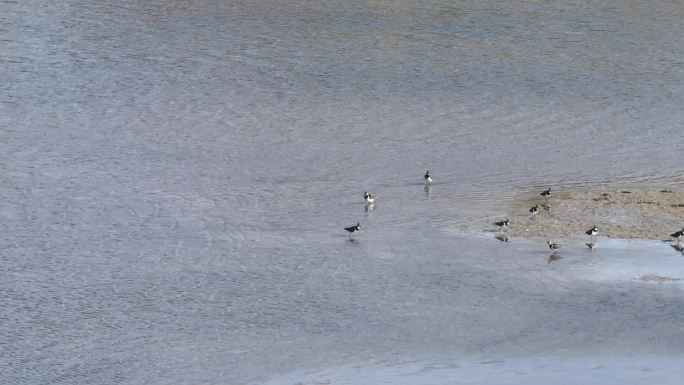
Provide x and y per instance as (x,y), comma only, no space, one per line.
(175,177)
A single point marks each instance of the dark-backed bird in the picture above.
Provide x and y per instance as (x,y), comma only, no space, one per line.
(353,229)
(553,246)
(534,210)
(592,232)
(428,177)
(546,193)
(678,234)
(502,224)
(369,197)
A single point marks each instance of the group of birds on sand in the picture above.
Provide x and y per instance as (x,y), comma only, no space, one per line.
(370,199)
(592,232)
(503,225)
(535,209)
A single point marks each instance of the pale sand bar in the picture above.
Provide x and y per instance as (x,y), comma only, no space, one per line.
(619,213)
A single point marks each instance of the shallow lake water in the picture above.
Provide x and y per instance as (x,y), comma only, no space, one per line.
(176,177)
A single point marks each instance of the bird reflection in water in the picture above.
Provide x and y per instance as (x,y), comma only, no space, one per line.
(501,237)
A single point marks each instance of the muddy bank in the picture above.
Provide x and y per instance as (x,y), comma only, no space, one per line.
(619,213)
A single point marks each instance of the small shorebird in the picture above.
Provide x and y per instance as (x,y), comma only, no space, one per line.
(502,224)
(370,198)
(592,233)
(546,193)
(534,210)
(678,235)
(353,229)
(428,177)
(554,247)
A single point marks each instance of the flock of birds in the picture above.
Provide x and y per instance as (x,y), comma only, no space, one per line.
(503,225)
(592,232)
(370,198)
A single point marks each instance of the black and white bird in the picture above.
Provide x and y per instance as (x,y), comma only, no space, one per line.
(428,177)
(592,232)
(546,193)
(502,224)
(353,229)
(369,197)
(678,234)
(534,210)
(553,246)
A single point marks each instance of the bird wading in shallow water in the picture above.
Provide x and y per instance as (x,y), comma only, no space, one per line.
(678,235)
(553,246)
(546,193)
(428,177)
(353,229)
(369,197)
(592,233)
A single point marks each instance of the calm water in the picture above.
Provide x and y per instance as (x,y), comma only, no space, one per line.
(175,177)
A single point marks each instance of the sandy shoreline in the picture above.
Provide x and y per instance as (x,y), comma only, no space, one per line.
(619,213)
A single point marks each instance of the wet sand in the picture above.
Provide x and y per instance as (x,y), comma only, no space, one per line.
(658,278)
(619,213)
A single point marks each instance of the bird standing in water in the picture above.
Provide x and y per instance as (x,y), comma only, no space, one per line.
(353,229)
(369,197)
(553,246)
(428,177)
(592,233)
